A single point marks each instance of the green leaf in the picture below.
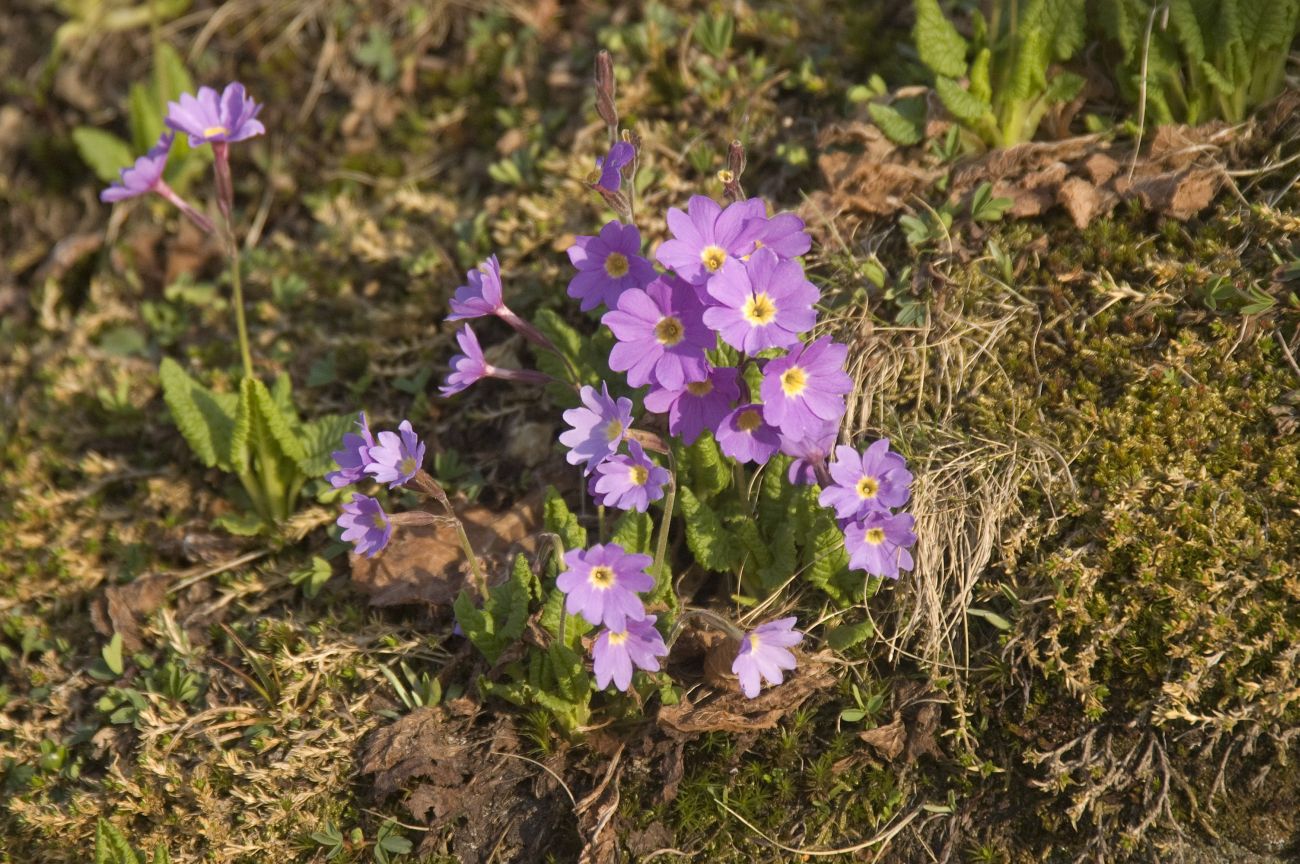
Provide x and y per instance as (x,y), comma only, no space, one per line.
(104,152)
(992,617)
(964,105)
(205,419)
(901,124)
(825,559)
(845,636)
(571,678)
(710,471)
(937,42)
(320,438)
(1186,29)
(111,847)
(160,855)
(242,524)
(112,654)
(745,531)
(146,117)
(713,547)
(981,86)
(170,77)
(278,415)
(634,532)
(1028,70)
(558,519)
(313,577)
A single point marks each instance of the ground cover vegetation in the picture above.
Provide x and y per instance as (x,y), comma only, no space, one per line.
(585,432)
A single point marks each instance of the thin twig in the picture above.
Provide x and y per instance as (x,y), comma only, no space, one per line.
(220,568)
(887,834)
(557,777)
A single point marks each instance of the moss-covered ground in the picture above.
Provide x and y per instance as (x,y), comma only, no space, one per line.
(1097,658)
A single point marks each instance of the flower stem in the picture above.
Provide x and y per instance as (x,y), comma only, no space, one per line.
(663,579)
(237,286)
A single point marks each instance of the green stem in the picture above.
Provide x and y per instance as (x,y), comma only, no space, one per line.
(663,580)
(238,299)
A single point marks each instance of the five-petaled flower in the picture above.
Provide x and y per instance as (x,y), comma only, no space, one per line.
(804,390)
(365,525)
(629,482)
(598,427)
(212,118)
(608,264)
(763,303)
(354,457)
(397,457)
(705,236)
(482,295)
(696,405)
(764,653)
(602,584)
(880,543)
(875,480)
(617,653)
(611,167)
(468,367)
(745,437)
(661,334)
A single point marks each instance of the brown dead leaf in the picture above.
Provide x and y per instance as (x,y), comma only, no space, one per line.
(1180,194)
(731,711)
(123,607)
(889,741)
(425,564)
(1080,199)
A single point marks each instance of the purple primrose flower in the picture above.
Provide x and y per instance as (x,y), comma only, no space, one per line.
(783,233)
(661,334)
(805,388)
(764,653)
(629,482)
(482,295)
(704,238)
(468,367)
(615,654)
(611,166)
(810,453)
(765,303)
(874,480)
(744,436)
(698,405)
(608,264)
(397,457)
(879,543)
(223,119)
(144,176)
(598,427)
(601,584)
(354,457)
(365,525)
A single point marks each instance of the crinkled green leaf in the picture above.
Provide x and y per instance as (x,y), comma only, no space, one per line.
(904,128)
(320,438)
(146,117)
(710,470)
(558,519)
(937,41)
(104,152)
(634,532)
(206,419)
(845,636)
(825,559)
(709,541)
(111,846)
(963,104)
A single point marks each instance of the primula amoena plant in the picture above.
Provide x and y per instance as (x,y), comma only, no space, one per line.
(723,425)
(254,433)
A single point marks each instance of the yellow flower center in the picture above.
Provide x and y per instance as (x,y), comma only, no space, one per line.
(793,381)
(215,130)
(754,641)
(617,638)
(713,258)
(749,420)
(700,388)
(616,264)
(409,466)
(601,577)
(613,430)
(638,474)
(868,487)
(759,309)
(669,331)
(875,536)
(379,521)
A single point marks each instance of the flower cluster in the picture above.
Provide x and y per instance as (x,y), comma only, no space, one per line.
(867,486)
(394,458)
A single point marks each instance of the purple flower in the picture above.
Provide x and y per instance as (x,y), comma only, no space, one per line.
(810,453)
(766,303)
(661,334)
(365,524)
(468,367)
(629,482)
(227,118)
(764,653)
(697,406)
(611,166)
(397,457)
(482,296)
(805,388)
(705,237)
(608,264)
(144,176)
(879,543)
(783,233)
(874,480)
(602,584)
(354,457)
(598,428)
(616,653)
(744,436)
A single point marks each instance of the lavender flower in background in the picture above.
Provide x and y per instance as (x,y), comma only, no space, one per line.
(810,452)
(805,388)
(615,654)
(765,303)
(365,525)
(704,238)
(629,482)
(146,175)
(397,457)
(764,653)
(598,427)
(661,335)
(608,264)
(783,233)
(698,405)
(225,119)
(744,436)
(611,166)
(482,295)
(468,367)
(879,543)
(354,457)
(602,584)
(874,480)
